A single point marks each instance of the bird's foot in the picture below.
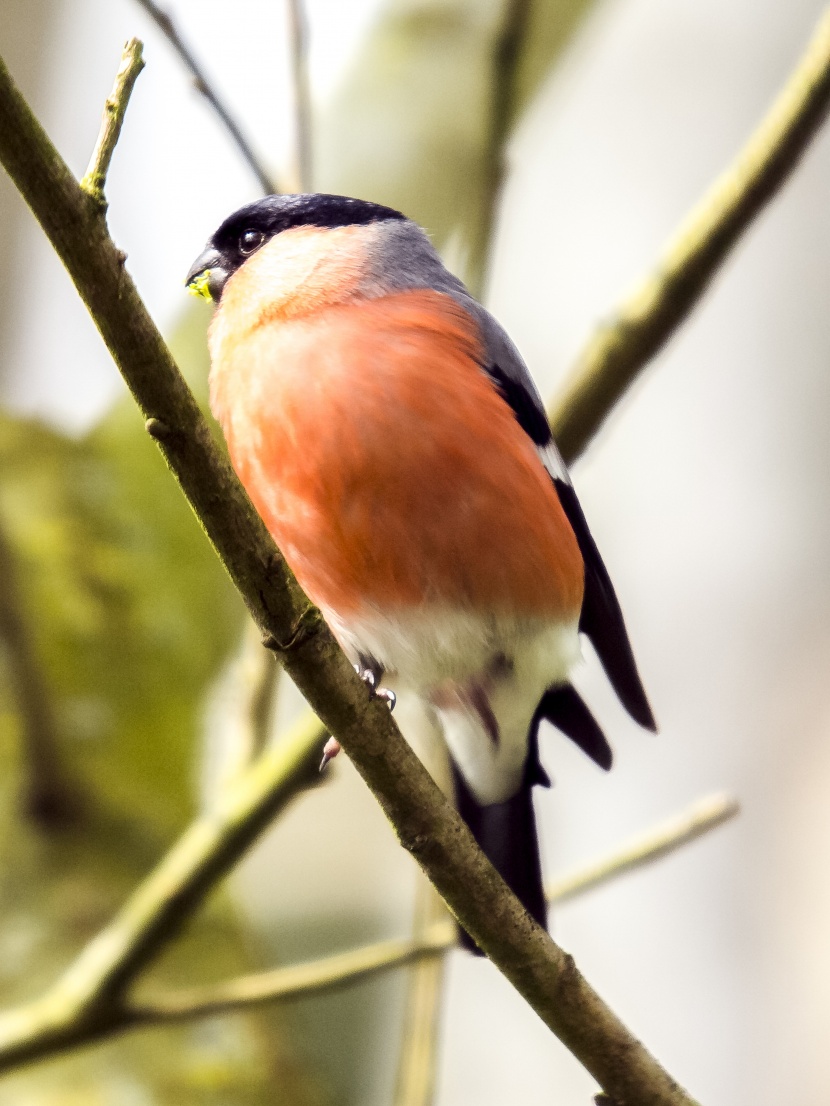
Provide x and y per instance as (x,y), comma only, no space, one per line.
(370,677)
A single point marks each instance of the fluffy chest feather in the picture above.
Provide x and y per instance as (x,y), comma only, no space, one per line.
(388,469)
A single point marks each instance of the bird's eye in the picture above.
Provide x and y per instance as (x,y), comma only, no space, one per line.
(249,241)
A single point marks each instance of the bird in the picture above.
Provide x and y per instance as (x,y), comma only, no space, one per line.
(393,440)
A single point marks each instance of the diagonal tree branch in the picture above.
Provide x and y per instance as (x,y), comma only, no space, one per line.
(164,21)
(642,325)
(622,348)
(331,972)
(425,823)
(87,1002)
(439,936)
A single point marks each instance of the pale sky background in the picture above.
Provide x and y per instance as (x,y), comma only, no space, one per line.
(707,495)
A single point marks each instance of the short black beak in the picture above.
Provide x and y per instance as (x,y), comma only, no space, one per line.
(207,275)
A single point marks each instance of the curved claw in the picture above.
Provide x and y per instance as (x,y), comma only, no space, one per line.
(370,678)
(330,751)
(387,696)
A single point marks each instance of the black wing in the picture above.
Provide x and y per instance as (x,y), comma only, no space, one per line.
(601,619)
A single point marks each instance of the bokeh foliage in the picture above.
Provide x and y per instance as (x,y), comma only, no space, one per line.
(132,618)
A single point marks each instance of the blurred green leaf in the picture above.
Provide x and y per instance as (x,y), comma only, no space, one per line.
(132,618)
(131,611)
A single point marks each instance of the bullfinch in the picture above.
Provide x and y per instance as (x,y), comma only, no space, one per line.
(393,441)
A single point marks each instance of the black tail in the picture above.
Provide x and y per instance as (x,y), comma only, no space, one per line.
(506,834)
(564,708)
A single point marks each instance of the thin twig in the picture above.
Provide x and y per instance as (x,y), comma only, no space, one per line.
(50,798)
(416,1075)
(204,85)
(704,816)
(115,108)
(506,58)
(87,1002)
(440,936)
(57,1022)
(418,1061)
(301,92)
(298,981)
(426,824)
(247,721)
(43,1021)
(642,325)
(428,945)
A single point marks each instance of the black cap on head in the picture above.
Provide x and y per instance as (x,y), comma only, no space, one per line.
(242,233)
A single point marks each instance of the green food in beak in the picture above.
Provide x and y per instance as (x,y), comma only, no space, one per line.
(198,286)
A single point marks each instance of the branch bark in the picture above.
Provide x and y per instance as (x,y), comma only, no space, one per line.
(641,326)
(425,823)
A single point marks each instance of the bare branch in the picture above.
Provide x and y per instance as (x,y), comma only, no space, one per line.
(204,85)
(248,720)
(86,1003)
(436,938)
(298,38)
(506,58)
(426,824)
(440,936)
(95,178)
(416,1076)
(418,1061)
(642,325)
(62,1018)
(296,982)
(705,815)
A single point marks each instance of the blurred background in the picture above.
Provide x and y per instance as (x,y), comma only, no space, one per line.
(706,491)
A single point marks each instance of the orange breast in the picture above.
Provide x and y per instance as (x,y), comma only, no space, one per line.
(386,466)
